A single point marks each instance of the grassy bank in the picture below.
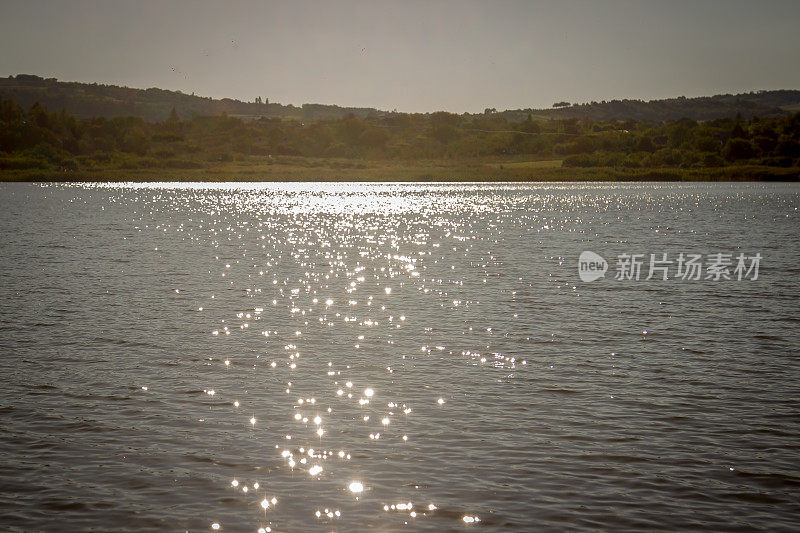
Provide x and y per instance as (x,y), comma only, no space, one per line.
(332,169)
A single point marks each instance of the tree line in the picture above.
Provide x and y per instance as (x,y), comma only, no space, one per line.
(46,139)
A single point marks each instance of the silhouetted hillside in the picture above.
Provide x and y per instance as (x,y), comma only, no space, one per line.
(748,105)
(85,100)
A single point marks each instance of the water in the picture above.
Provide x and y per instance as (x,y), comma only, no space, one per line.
(502,387)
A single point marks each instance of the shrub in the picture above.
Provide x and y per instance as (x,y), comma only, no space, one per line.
(737,149)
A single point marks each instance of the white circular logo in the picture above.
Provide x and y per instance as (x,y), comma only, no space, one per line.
(591,266)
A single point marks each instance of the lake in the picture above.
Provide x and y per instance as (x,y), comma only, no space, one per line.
(399,357)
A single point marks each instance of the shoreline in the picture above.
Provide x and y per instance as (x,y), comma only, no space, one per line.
(333,170)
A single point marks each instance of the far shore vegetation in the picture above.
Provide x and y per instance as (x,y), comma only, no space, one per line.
(39,144)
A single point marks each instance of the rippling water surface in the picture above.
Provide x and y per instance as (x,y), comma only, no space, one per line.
(394,357)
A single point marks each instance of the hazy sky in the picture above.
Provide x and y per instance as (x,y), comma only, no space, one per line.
(413,56)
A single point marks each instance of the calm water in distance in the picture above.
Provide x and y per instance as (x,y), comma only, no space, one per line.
(338,357)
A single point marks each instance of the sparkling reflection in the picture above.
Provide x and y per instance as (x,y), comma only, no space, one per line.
(393,336)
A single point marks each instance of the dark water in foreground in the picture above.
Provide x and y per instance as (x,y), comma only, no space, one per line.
(123,308)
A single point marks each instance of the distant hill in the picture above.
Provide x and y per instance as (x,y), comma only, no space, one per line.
(86,100)
(761,103)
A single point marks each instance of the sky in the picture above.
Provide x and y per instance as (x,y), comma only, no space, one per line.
(413,56)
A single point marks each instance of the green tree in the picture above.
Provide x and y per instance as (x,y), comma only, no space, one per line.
(645,144)
(443,126)
(738,132)
(736,149)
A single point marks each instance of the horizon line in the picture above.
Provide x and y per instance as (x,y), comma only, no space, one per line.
(395,110)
